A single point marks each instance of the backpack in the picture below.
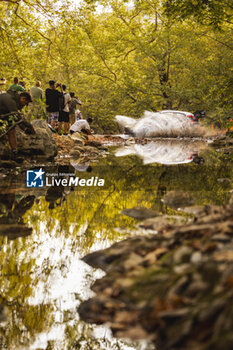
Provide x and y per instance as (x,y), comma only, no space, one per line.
(62,103)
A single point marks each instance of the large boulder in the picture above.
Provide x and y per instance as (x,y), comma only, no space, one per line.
(42,143)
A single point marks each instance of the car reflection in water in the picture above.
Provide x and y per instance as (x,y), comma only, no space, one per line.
(166,152)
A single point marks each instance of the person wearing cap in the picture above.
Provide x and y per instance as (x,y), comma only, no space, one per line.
(52,101)
(13,102)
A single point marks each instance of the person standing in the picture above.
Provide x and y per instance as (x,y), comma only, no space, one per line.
(36,92)
(73,107)
(52,101)
(16,86)
(37,108)
(64,111)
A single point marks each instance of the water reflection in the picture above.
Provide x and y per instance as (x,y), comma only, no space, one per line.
(165,152)
(12,209)
(43,281)
(42,277)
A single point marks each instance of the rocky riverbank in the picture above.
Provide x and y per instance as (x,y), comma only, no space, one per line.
(174,288)
(46,147)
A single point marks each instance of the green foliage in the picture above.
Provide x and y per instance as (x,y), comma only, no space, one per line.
(211,12)
(3,126)
(4,123)
(124,58)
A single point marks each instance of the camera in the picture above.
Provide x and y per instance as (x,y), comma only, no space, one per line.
(58,84)
(2,79)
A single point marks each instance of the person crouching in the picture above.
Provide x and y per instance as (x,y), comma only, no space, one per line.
(81,125)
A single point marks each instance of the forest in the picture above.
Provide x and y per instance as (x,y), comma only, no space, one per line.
(124,57)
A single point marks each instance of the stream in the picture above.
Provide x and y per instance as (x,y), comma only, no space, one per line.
(45,232)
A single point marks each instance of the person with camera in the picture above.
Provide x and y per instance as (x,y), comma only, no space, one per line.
(64,111)
(52,96)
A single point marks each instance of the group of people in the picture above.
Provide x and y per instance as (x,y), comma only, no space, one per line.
(61,107)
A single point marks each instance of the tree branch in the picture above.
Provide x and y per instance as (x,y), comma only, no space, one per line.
(28,24)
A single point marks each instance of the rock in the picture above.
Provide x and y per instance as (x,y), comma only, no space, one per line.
(179,286)
(175,287)
(182,269)
(140,213)
(40,124)
(42,143)
(182,255)
(103,148)
(155,223)
(173,314)
(78,138)
(93,143)
(198,210)
(130,141)
(75,153)
(161,222)
(132,261)
(98,260)
(178,199)
(8,164)
(153,256)
(221,238)
(99,309)
(91,150)
(80,148)
(135,333)
(226,255)
(215,308)
(195,288)
(196,258)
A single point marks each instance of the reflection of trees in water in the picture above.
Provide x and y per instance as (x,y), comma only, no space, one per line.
(11,221)
(22,278)
(87,219)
